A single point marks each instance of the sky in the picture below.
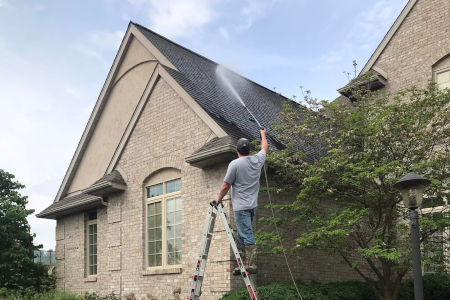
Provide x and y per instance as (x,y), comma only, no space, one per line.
(55,56)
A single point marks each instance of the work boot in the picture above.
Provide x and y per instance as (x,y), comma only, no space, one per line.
(241,249)
(250,259)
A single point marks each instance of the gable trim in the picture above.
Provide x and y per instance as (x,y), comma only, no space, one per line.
(160,72)
(387,38)
(150,47)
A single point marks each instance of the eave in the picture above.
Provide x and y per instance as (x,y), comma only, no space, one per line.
(213,156)
(73,204)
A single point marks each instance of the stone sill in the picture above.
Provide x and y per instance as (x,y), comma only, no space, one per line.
(90,279)
(150,272)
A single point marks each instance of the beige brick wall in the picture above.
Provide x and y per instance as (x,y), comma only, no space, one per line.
(421,41)
(166,132)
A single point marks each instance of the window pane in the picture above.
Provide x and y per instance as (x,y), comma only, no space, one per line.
(177,258)
(178,245)
(158,220)
(170,245)
(151,234)
(159,260)
(170,258)
(177,217)
(173,186)
(158,247)
(151,210)
(151,260)
(151,248)
(151,222)
(171,205)
(170,218)
(155,190)
(158,234)
(443,77)
(178,231)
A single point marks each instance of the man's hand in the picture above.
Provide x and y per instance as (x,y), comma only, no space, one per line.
(263,132)
(215,202)
(264,145)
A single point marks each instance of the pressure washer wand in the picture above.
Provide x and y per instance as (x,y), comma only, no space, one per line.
(254,118)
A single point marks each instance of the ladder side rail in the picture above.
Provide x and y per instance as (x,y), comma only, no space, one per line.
(197,278)
(248,283)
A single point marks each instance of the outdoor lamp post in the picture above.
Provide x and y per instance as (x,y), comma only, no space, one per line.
(411,187)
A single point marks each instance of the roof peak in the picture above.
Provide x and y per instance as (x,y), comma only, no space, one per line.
(205,58)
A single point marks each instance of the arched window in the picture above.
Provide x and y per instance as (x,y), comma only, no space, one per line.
(163,218)
(441,72)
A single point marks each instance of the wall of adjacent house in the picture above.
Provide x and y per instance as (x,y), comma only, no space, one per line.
(166,132)
(128,85)
(306,265)
(420,42)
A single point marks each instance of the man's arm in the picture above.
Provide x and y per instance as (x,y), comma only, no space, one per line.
(264,145)
(223,191)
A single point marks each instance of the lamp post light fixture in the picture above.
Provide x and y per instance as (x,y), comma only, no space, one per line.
(411,187)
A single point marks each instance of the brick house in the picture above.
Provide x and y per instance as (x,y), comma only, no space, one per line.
(154,152)
(132,204)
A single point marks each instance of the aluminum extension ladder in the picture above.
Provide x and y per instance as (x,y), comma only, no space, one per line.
(197,278)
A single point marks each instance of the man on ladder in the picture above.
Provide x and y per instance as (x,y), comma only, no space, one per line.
(243,176)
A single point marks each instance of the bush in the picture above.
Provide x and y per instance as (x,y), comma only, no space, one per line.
(32,295)
(314,291)
(436,287)
(53,295)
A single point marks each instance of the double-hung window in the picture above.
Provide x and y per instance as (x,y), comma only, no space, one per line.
(443,78)
(91,243)
(163,212)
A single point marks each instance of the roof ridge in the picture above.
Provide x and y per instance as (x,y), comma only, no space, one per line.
(207,59)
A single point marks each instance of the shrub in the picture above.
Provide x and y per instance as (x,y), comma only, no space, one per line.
(313,291)
(436,287)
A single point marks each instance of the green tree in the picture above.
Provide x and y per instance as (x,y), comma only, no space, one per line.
(17,268)
(346,203)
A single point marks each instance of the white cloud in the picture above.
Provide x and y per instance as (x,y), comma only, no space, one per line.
(254,10)
(175,18)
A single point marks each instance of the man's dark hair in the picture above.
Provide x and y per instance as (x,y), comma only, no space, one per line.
(243,146)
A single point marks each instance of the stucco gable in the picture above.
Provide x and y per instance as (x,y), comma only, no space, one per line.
(129,82)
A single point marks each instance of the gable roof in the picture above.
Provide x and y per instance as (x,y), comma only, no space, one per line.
(194,76)
(387,38)
(197,76)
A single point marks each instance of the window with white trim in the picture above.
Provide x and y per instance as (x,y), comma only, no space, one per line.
(442,78)
(91,243)
(163,223)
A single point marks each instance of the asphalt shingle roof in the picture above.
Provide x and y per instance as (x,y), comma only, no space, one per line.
(70,204)
(197,75)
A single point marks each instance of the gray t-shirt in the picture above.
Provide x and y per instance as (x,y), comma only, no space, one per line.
(243,174)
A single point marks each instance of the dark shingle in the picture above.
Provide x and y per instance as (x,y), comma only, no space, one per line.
(71,204)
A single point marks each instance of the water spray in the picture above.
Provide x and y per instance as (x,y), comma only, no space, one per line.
(220,72)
